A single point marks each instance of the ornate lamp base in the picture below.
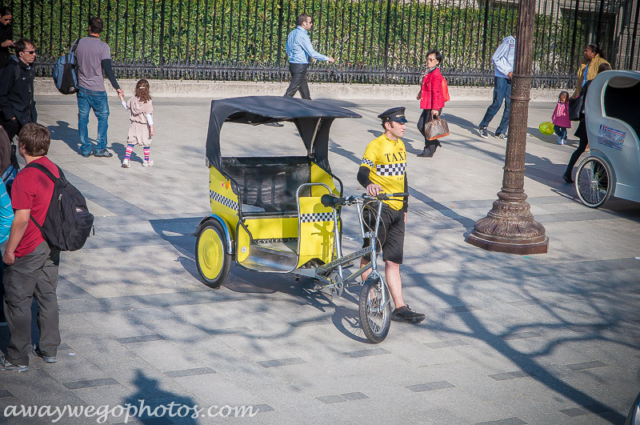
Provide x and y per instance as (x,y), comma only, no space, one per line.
(510,227)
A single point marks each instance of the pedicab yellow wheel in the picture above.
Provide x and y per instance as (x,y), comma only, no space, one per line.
(212,259)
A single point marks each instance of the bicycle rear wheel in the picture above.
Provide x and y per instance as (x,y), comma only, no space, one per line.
(375,319)
(594,182)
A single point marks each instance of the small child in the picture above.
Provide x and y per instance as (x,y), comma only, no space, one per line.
(141,128)
(561,119)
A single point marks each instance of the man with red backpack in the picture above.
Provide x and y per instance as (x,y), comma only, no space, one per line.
(31,263)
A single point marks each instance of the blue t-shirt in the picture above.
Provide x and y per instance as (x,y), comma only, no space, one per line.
(6,214)
(586,70)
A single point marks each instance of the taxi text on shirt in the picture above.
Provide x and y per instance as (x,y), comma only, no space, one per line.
(387,160)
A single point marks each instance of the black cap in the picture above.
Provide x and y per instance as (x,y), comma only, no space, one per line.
(393,114)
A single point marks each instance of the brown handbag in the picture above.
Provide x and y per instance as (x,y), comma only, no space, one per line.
(436,128)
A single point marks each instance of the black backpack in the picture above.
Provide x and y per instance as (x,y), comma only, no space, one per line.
(64,72)
(68,222)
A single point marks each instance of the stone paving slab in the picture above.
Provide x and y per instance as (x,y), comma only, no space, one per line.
(508,339)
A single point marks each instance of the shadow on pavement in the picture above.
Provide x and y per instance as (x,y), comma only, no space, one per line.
(523,359)
(121,150)
(179,232)
(151,404)
(67,135)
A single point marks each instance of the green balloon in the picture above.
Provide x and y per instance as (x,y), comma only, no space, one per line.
(546,128)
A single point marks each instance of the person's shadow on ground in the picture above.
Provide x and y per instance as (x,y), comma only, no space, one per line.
(150,403)
(121,150)
(67,134)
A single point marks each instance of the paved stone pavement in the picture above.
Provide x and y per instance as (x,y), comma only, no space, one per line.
(544,339)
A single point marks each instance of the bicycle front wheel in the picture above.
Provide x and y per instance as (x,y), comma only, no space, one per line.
(375,319)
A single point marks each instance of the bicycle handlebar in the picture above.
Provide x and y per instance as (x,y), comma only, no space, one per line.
(386,196)
(334,201)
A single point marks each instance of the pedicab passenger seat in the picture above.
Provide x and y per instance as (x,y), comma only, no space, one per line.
(622,103)
(268,184)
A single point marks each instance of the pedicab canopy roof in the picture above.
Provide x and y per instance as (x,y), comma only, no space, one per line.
(312,118)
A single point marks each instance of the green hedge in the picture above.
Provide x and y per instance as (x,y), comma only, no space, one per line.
(254,31)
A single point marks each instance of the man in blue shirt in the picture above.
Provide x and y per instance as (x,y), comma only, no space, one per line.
(503,61)
(299,49)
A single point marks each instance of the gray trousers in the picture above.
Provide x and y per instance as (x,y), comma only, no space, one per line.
(35,274)
(298,80)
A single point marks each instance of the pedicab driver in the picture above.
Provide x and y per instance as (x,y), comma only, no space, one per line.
(383,170)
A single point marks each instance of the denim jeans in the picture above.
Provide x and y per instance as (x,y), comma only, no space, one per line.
(560,131)
(96,100)
(501,91)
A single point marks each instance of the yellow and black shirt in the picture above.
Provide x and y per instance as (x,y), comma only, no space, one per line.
(385,163)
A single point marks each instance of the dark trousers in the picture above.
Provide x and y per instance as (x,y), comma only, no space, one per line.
(430,146)
(35,274)
(581,132)
(501,92)
(12,127)
(298,80)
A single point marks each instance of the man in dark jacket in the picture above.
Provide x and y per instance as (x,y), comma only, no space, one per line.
(16,89)
(6,35)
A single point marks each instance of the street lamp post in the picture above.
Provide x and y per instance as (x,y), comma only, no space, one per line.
(509,226)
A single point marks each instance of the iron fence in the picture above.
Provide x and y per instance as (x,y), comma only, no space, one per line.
(373,41)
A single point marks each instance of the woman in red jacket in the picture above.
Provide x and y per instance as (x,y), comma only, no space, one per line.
(431,99)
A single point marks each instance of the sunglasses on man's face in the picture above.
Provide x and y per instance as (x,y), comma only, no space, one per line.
(31,52)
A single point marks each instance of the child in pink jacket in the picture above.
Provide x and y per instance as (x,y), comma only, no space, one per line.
(561,119)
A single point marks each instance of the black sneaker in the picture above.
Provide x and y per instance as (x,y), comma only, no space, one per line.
(47,359)
(483,132)
(405,314)
(567,178)
(7,365)
(102,154)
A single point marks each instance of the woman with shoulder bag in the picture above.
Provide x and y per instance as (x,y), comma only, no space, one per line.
(593,58)
(431,100)
(587,71)
(581,131)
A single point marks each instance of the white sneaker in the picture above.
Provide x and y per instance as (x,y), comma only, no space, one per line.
(148,163)
(125,163)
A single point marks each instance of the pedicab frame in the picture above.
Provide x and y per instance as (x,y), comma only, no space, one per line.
(612,117)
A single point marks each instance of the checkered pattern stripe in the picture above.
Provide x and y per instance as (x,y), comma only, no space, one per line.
(391,169)
(366,161)
(311,218)
(224,201)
